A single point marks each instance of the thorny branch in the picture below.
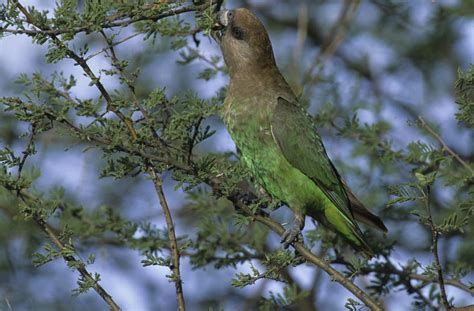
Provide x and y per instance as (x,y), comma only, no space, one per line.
(111,45)
(434,248)
(405,278)
(79,266)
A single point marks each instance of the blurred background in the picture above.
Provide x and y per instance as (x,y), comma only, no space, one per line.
(391,62)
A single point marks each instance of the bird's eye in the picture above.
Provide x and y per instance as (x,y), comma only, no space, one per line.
(237,33)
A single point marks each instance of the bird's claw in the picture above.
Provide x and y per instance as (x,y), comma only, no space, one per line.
(291,235)
(247,197)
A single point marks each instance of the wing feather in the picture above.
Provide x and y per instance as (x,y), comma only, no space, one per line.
(301,145)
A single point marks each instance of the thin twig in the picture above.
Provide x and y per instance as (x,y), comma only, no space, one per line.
(8,304)
(444,146)
(27,152)
(206,60)
(175,267)
(434,249)
(390,268)
(79,267)
(387,269)
(131,87)
(192,140)
(77,264)
(452,282)
(113,45)
(112,21)
(407,282)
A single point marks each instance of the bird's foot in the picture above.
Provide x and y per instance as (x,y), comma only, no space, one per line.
(291,235)
(247,197)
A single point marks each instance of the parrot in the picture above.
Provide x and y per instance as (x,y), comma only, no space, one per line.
(276,138)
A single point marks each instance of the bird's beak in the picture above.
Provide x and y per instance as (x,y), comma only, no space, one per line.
(223,20)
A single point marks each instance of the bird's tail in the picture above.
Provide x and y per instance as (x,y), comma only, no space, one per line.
(361,213)
(348,229)
(357,240)
(361,245)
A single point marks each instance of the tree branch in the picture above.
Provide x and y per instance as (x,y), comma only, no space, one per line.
(79,265)
(215,183)
(434,249)
(115,20)
(452,282)
(175,254)
(390,268)
(175,267)
(71,260)
(444,146)
(308,255)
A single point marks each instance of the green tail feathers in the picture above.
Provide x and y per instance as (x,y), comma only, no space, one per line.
(347,228)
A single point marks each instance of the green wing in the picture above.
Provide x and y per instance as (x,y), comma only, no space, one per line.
(301,145)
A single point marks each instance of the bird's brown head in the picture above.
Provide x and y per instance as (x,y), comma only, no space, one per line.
(244,41)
